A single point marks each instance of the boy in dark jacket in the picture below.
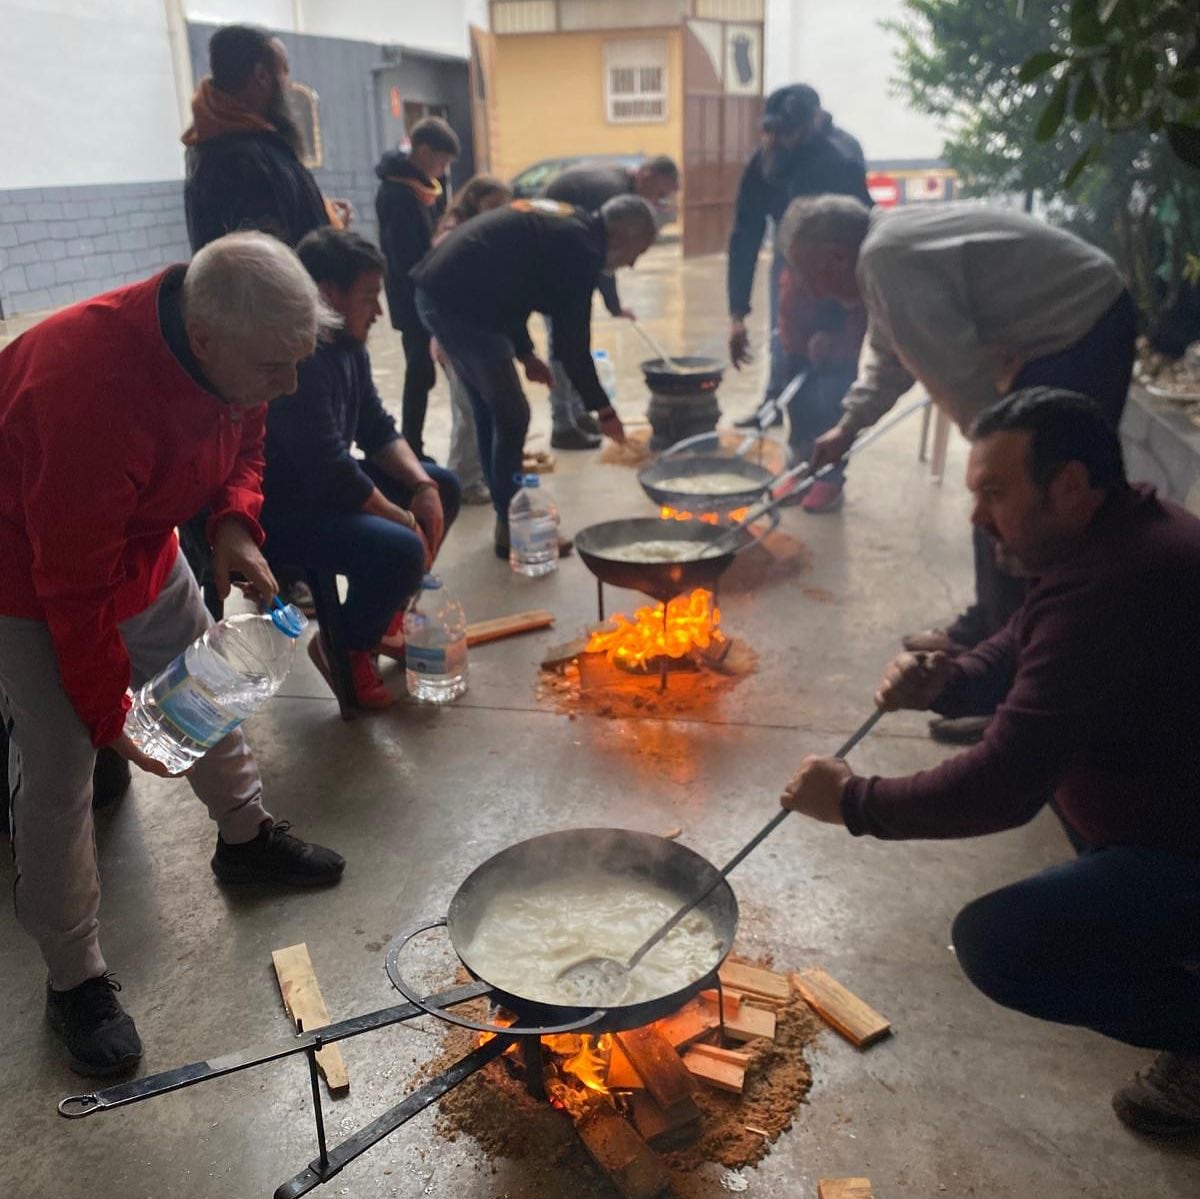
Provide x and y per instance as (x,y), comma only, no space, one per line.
(409,204)
(380,522)
(243,165)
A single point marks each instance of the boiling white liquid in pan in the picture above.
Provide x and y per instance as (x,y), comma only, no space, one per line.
(526,938)
(656,551)
(722,482)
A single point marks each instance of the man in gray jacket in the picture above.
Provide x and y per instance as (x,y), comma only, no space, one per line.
(973,303)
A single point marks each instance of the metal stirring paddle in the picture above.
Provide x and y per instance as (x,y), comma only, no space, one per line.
(602,980)
(654,345)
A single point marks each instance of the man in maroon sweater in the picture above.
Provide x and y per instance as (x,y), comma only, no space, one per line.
(120,417)
(1094,677)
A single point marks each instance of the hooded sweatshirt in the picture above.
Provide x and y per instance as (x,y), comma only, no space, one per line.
(409,205)
(241,174)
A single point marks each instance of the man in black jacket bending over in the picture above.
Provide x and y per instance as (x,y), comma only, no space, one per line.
(409,204)
(243,164)
(378,520)
(477,289)
(590,186)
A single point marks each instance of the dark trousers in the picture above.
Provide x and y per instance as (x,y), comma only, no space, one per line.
(419,378)
(1099,366)
(1109,942)
(483,361)
(383,562)
(817,405)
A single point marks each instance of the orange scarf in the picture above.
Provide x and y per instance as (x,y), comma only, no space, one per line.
(215,112)
(427,193)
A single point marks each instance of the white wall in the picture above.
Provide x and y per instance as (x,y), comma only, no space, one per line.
(838,48)
(439,25)
(87,93)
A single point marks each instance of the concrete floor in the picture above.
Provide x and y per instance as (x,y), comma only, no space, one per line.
(965,1099)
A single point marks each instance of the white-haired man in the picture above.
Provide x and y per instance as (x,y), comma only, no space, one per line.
(973,303)
(119,418)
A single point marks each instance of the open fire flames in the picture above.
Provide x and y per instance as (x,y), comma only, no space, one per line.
(666,512)
(688,622)
(717,1079)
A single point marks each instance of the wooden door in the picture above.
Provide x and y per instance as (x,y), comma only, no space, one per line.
(720,131)
(482,75)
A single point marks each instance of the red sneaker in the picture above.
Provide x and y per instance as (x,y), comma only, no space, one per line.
(369,691)
(391,644)
(823,496)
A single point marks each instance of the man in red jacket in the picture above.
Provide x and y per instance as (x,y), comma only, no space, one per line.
(1097,709)
(119,418)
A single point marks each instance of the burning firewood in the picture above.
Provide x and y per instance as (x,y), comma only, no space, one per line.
(615,1146)
(723,1068)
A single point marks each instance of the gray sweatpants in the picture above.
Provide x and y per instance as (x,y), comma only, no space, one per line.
(50,765)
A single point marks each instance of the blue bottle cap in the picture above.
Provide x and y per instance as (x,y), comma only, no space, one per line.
(527,480)
(602,354)
(431,583)
(287,618)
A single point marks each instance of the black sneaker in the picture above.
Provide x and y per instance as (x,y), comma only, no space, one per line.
(588,423)
(574,438)
(1163,1100)
(99,1035)
(275,856)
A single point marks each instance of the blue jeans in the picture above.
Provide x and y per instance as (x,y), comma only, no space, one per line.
(566,406)
(817,406)
(483,361)
(1109,942)
(383,562)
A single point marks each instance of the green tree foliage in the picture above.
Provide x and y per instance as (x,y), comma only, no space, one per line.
(1124,65)
(1127,191)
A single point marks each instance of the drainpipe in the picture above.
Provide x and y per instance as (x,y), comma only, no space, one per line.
(298,22)
(181,60)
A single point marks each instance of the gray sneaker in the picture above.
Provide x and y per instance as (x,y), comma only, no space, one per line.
(1163,1100)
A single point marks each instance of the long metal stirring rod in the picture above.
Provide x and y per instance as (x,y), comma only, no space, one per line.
(655,346)
(758,838)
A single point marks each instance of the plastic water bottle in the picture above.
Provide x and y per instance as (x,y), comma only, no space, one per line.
(532,529)
(221,678)
(435,644)
(606,371)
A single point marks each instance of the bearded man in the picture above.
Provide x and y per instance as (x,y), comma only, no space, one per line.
(243,161)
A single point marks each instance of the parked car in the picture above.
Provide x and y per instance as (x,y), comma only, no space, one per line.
(534,180)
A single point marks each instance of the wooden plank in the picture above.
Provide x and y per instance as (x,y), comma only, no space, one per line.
(303,1002)
(753,980)
(844,1188)
(731,1057)
(693,1021)
(743,1021)
(621,1074)
(564,652)
(726,1075)
(630,1164)
(658,1065)
(662,1129)
(481,631)
(857,1021)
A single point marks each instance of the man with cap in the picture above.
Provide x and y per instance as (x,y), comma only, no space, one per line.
(799,154)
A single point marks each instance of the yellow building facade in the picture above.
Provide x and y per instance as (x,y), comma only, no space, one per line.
(556,79)
(549,98)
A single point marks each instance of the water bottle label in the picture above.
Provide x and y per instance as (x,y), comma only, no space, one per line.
(436,659)
(190,710)
(534,537)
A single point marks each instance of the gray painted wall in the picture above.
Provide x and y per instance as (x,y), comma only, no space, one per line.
(62,244)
